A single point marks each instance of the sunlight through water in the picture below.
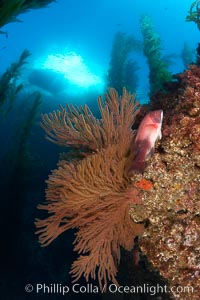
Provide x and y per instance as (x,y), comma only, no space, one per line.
(74,69)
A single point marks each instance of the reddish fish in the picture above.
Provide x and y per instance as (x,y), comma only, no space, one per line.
(148,132)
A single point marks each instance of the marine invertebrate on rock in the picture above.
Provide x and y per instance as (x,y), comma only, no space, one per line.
(144,184)
(158,73)
(93,194)
(171,240)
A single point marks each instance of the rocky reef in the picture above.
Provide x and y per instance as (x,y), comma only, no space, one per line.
(171,208)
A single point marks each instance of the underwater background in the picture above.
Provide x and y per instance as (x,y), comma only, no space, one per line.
(70,52)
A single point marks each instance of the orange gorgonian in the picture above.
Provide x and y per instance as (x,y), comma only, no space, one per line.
(93,194)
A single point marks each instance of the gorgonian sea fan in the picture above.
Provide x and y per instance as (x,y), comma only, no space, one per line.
(93,194)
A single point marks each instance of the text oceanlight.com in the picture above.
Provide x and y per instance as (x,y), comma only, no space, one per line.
(58,288)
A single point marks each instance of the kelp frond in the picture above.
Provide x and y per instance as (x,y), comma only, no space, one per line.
(10,9)
(194,13)
(9,88)
(158,68)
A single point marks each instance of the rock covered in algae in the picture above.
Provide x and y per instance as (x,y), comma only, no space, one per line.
(171,207)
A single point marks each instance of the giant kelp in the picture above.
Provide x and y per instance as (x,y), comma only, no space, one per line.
(194,13)
(158,69)
(9,85)
(19,166)
(121,66)
(131,78)
(187,55)
(23,151)
(10,9)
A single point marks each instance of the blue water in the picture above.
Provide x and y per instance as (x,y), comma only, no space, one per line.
(87,28)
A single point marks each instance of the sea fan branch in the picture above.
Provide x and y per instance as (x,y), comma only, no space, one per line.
(94,197)
(78,127)
(94,194)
